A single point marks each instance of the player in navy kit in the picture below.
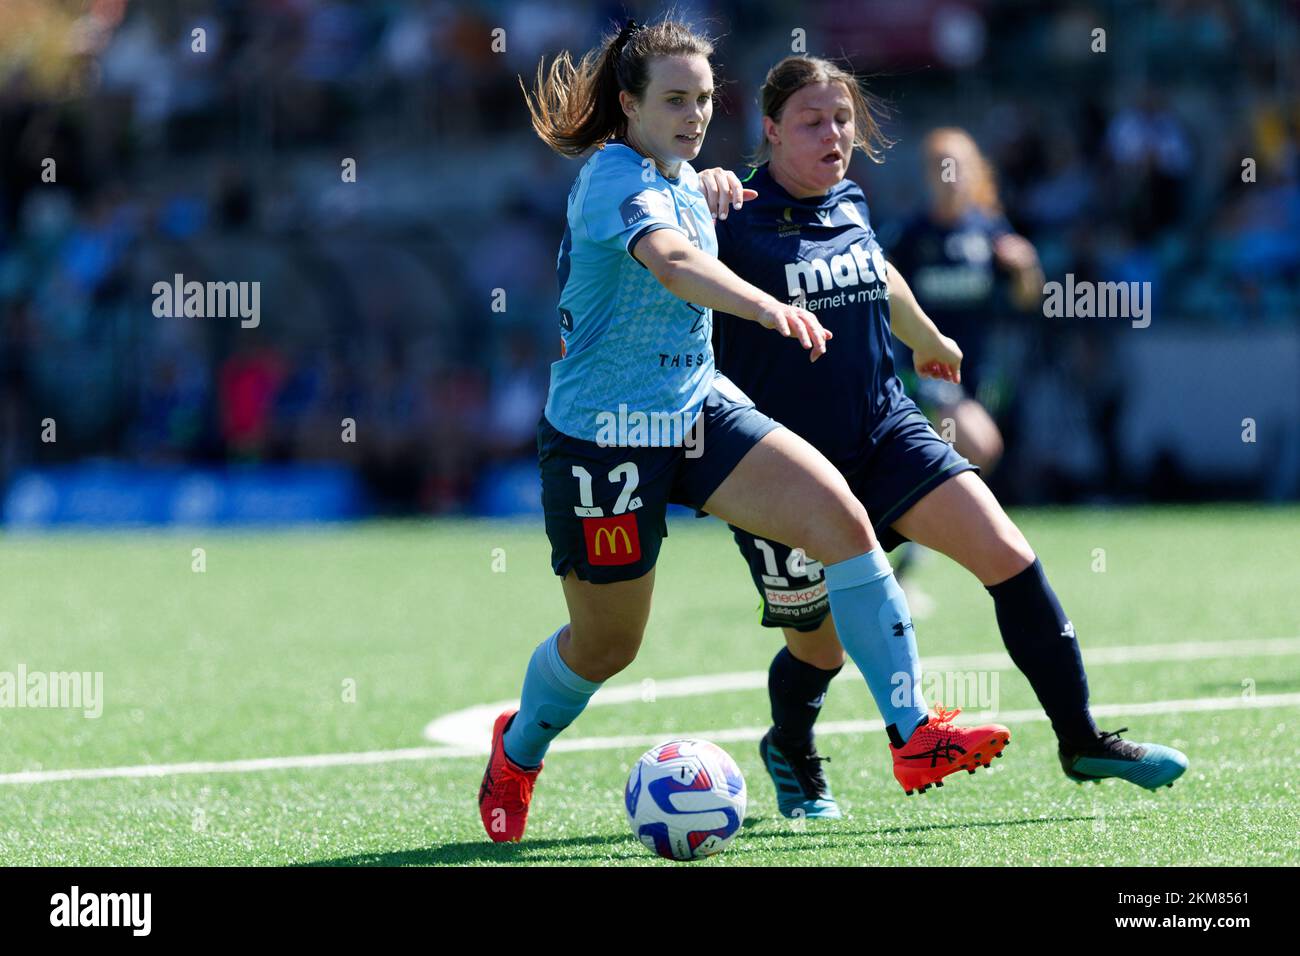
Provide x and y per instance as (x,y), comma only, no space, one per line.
(637,417)
(965,265)
(963,260)
(799,229)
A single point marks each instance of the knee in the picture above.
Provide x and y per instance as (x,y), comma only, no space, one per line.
(820,648)
(599,657)
(989,452)
(825,655)
(1009,555)
(842,530)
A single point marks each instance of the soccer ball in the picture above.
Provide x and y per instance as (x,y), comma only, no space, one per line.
(685,799)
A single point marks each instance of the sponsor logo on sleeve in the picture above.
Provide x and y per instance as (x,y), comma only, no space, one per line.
(647,204)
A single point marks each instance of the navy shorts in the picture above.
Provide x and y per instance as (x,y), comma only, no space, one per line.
(606,505)
(908,462)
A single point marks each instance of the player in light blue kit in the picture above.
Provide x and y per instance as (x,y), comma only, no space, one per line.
(637,417)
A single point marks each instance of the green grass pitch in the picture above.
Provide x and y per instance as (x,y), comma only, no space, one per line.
(351,639)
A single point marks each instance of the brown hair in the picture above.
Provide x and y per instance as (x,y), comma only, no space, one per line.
(794,73)
(575,106)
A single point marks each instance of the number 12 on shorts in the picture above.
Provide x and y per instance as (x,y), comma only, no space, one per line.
(625,473)
(610,540)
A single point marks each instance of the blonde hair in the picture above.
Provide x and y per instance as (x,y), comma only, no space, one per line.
(794,73)
(977,171)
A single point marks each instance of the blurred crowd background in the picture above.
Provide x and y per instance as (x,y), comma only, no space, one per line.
(377,297)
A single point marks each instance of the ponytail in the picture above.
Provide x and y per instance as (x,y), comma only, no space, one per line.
(576,106)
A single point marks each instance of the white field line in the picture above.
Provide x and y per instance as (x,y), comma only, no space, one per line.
(473,725)
(721,735)
(471,718)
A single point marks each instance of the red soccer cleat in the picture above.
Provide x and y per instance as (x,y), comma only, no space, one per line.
(938,748)
(506,791)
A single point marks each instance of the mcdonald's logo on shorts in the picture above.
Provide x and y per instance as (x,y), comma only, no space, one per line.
(612,540)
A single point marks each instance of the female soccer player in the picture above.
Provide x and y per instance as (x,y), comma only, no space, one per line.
(955,253)
(808,240)
(639,278)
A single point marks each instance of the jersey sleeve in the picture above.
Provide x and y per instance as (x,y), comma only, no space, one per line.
(620,207)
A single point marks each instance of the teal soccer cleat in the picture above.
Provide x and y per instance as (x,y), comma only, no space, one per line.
(801,787)
(1147,765)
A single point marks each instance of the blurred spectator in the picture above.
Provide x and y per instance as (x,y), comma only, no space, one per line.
(225,165)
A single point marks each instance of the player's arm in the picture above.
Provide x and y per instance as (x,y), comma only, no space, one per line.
(1018,256)
(934,354)
(695,276)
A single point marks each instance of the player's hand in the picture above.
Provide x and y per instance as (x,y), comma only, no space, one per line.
(722,190)
(796,323)
(940,359)
(1015,252)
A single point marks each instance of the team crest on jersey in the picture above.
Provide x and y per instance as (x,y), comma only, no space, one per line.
(786,226)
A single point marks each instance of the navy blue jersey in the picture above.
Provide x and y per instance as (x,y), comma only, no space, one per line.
(953,274)
(820,253)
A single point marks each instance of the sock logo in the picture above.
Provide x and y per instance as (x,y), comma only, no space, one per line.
(818,700)
(1069,629)
(902,627)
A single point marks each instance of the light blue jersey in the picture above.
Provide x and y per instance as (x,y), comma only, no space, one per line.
(629,345)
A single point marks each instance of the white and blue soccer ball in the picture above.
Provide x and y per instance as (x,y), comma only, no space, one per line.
(685,799)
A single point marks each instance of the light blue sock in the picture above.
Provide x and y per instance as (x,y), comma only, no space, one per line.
(552,698)
(875,628)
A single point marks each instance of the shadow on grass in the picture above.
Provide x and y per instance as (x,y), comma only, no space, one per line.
(541,851)
(479,851)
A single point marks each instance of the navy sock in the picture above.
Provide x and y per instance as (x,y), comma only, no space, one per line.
(797,690)
(1041,642)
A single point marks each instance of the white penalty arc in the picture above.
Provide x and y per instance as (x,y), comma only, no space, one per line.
(465,733)
(472,726)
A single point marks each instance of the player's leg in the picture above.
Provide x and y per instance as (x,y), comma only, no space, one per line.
(798,681)
(975,434)
(765,479)
(784,490)
(604,544)
(820,648)
(606,623)
(962,519)
(792,590)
